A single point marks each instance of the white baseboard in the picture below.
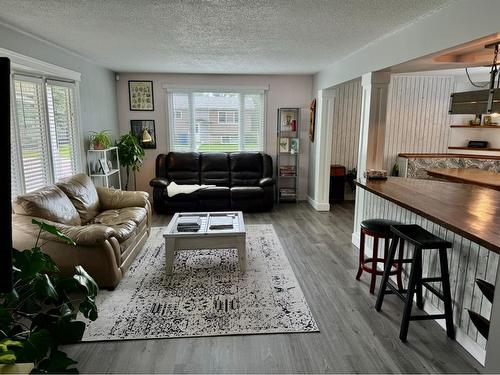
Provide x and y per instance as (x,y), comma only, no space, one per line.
(318,206)
(355,239)
(460,336)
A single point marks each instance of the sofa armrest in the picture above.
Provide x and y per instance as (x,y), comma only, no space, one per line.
(114,199)
(160,182)
(266,181)
(86,235)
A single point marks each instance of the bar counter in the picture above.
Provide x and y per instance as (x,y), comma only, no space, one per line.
(466,215)
(471,211)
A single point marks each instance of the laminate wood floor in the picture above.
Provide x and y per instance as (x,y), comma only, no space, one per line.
(353,337)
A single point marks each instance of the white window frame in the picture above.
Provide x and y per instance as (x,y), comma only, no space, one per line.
(178,113)
(171,87)
(225,117)
(28,66)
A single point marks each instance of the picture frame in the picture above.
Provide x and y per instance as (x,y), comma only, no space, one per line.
(140,95)
(284,144)
(312,119)
(288,120)
(103,166)
(139,126)
(294,145)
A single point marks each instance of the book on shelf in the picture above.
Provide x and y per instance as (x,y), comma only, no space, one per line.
(287,170)
(189,224)
(221,222)
(287,193)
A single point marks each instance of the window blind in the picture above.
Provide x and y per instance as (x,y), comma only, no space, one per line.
(62,129)
(45,136)
(208,121)
(32,128)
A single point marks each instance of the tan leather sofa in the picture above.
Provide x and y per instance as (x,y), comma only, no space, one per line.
(109,226)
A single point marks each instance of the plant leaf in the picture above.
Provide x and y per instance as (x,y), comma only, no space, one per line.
(53,230)
(29,262)
(89,309)
(85,280)
(8,357)
(65,310)
(9,342)
(44,287)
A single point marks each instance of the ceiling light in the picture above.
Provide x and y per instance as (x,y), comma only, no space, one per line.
(479,101)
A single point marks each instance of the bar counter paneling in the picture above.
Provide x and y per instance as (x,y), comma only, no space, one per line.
(466,215)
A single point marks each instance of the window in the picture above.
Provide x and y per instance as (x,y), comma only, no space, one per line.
(45,135)
(222,117)
(178,115)
(228,117)
(216,121)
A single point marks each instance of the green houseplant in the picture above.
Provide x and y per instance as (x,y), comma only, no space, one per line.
(100,140)
(350,176)
(40,313)
(131,154)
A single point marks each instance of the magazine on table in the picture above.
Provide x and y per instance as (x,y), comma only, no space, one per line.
(221,222)
(189,224)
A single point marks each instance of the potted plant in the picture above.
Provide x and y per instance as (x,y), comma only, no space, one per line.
(40,313)
(350,177)
(131,154)
(100,140)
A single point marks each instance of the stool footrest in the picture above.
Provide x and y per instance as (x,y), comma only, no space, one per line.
(433,290)
(428,317)
(432,279)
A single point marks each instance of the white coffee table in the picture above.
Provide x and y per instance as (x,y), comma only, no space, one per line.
(205,238)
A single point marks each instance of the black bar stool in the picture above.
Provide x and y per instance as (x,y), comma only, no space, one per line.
(378,229)
(422,240)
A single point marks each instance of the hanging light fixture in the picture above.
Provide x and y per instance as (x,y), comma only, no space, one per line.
(146,137)
(479,101)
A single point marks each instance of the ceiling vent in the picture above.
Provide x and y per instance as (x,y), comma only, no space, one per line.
(480,101)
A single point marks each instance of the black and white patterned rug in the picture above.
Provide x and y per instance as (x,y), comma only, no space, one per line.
(206,296)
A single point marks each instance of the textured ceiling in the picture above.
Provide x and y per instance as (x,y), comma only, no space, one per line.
(213,36)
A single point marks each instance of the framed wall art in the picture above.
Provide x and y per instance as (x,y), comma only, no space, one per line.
(284,144)
(140,94)
(312,120)
(145,132)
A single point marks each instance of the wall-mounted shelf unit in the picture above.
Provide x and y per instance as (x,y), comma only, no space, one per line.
(104,167)
(288,152)
(461,134)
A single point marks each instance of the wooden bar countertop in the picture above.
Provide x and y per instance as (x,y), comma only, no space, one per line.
(424,155)
(469,210)
(473,176)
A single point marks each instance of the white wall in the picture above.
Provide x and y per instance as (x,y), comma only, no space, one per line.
(284,91)
(97,86)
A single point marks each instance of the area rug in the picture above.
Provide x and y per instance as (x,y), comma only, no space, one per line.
(206,295)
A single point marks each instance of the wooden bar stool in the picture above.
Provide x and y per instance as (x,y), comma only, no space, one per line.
(422,240)
(378,229)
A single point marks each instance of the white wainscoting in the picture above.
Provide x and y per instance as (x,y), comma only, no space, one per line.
(417,116)
(346,123)
(467,261)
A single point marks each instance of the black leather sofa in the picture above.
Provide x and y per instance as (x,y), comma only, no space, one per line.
(243,181)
